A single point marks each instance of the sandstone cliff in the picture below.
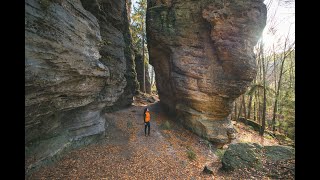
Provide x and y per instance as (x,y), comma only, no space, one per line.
(78,64)
(202,53)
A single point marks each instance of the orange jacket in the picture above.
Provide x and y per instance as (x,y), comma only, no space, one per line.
(147,117)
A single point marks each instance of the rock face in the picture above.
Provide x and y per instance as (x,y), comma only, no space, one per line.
(78,64)
(245,155)
(202,53)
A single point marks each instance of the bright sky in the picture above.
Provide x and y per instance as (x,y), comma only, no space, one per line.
(284,20)
(133,3)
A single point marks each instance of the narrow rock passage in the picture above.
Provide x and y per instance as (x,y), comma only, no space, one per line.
(126,153)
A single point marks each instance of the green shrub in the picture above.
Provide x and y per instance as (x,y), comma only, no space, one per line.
(267,136)
(206,142)
(220,153)
(243,141)
(129,124)
(191,155)
(166,125)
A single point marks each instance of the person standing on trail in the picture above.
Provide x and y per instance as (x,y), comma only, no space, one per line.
(146,118)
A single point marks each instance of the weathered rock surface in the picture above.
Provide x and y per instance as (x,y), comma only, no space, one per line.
(256,126)
(252,155)
(78,64)
(202,53)
(278,153)
(242,155)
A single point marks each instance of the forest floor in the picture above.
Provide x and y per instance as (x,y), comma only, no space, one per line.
(170,152)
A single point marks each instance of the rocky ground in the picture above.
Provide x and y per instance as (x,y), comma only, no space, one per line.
(170,152)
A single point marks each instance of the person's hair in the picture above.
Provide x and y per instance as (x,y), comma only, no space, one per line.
(145,110)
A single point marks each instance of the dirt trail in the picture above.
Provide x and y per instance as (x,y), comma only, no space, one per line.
(126,153)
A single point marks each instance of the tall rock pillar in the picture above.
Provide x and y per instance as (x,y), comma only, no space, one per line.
(202,53)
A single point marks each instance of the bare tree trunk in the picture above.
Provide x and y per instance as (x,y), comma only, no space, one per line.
(264,106)
(274,114)
(152,77)
(254,111)
(244,106)
(240,109)
(291,71)
(249,107)
(284,57)
(280,119)
(235,111)
(250,104)
(259,108)
(274,68)
(277,97)
(260,79)
(144,68)
(275,83)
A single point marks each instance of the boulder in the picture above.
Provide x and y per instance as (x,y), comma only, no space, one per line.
(252,155)
(279,153)
(242,155)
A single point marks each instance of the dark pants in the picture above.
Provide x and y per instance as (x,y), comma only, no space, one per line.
(145,128)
